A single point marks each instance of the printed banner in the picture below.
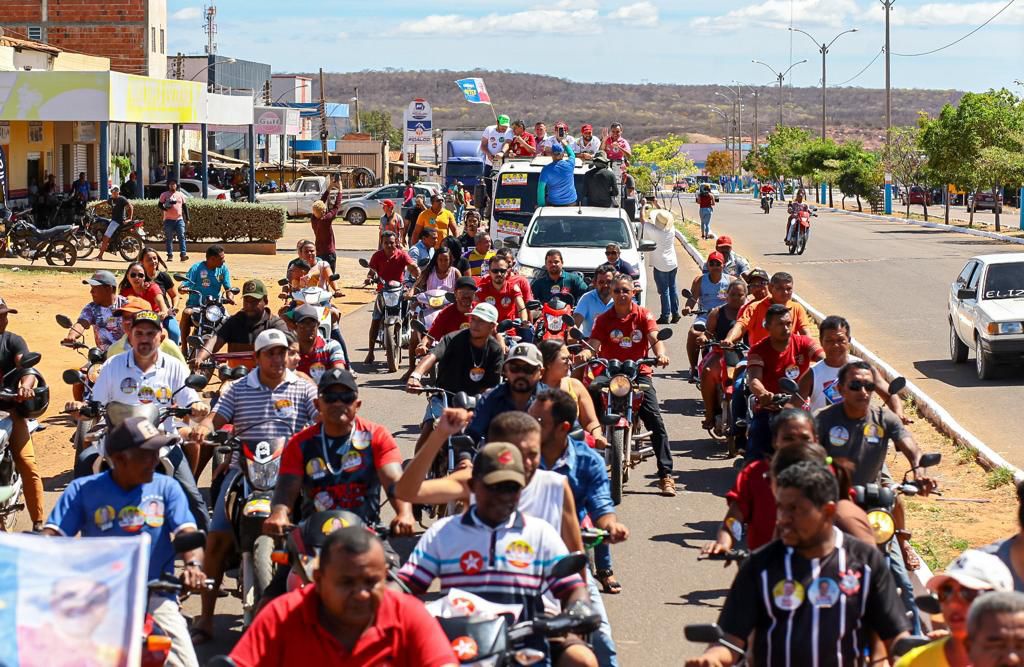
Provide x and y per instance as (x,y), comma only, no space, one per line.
(72,601)
(474,90)
(514,178)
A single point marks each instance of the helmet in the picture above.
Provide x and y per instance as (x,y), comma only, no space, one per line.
(35,406)
(306,539)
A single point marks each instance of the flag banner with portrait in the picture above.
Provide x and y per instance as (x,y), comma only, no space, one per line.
(474,90)
(72,601)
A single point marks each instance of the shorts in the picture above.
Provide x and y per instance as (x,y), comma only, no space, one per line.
(434,408)
(703,319)
(377,315)
(220,522)
(559,645)
(111,229)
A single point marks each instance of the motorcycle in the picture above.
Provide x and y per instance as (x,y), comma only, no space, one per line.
(85,375)
(207,317)
(620,400)
(481,633)
(798,229)
(23,239)
(127,241)
(456,449)
(555,318)
(314,296)
(878,501)
(711,633)
(156,645)
(394,332)
(766,204)
(730,364)
(11,484)
(430,303)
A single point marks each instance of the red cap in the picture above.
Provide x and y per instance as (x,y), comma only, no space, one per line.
(723,241)
(717,256)
(587,128)
(387,203)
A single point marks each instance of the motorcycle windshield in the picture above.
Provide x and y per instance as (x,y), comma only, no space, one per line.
(118,412)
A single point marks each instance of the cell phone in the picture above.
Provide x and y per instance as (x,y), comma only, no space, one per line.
(561,132)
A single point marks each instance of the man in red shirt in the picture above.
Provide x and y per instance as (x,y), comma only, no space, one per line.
(348,617)
(626,331)
(454,316)
(523,143)
(504,295)
(782,354)
(513,276)
(389,263)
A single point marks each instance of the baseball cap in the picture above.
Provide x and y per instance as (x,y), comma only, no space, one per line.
(101,278)
(756,274)
(254,288)
(499,462)
(304,312)
(601,156)
(337,376)
(717,257)
(466,281)
(527,352)
(724,242)
(436,197)
(387,203)
(485,312)
(975,569)
(502,119)
(136,433)
(270,338)
(557,148)
(587,128)
(146,316)
(4,308)
(132,305)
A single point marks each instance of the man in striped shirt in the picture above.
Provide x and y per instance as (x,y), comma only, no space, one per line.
(478,259)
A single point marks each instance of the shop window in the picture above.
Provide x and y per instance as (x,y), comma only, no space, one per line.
(35,132)
(152,38)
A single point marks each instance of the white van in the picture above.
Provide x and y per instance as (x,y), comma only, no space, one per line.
(515,194)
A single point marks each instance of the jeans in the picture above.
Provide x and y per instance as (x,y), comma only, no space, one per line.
(602,557)
(459,211)
(336,335)
(166,614)
(173,329)
(666,284)
(902,577)
(331,259)
(172,228)
(602,642)
(705,222)
(759,435)
(183,474)
(650,414)
(739,408)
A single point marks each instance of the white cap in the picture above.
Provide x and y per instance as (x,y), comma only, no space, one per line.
(485,312)
(270,338)
(975,569)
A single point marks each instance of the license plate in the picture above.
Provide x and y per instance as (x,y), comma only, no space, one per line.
(256,506)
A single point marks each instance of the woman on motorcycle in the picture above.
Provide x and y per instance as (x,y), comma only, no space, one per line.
(151,263)
(719,322)
(319,272)
(136,283)
(557,369)
(440,272)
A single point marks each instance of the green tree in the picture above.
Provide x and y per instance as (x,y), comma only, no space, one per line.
(653,159)
(907,163)
(820,161)
(718,163)
(774,160)
(378,125)
(860,173)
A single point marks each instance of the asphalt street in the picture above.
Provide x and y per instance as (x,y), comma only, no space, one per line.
(664,586)
(891,280)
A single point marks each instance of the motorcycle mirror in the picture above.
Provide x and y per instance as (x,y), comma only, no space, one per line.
(363,263)
(196,381)
(419,327)
(576,333)
(96,355)
(568,298)
(568,321)
(700,327)
(283,282)
(195,342)
(904,645)
(460,399)
(703,633)
(449,297)
(239,372)
(908,489)
(789,386)
(194,539)
(29,360)
(234,290)
(180,277)
(334,276)
(64,321)
(609,419)
(929,604)
(897,385)
(534,305)
(568,565)
(72,376)
(505,325)
(664,334)
(575,348)
(687,294)
(422,262)
(929,460)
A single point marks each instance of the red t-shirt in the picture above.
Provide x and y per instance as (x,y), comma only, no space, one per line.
(391,267)
(752,491)
(624,338)
(518,150)
(503,299)
(791,362)
(523,283)
(153,294)
(447,321)
(288,631)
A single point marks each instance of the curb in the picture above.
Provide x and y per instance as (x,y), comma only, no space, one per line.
(929,408)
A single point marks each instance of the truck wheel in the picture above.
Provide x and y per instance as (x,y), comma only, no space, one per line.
(957,349)
(985,363)
(356,216)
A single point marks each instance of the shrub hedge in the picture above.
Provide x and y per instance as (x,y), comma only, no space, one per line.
(212,220)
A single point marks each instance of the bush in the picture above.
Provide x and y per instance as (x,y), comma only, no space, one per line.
(211,220)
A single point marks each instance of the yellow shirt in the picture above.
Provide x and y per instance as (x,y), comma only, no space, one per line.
(442,222)
(167,347)
(929,655)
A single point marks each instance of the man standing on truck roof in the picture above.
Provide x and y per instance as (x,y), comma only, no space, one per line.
(556,186)
(523,143)
(492,144)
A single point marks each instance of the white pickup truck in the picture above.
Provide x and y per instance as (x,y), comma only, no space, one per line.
(299,198)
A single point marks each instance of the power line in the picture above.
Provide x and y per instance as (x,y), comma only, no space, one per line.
(992,18)
(880,52)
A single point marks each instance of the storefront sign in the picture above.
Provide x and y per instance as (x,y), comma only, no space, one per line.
(276,121)
(142,99)
(419,123)
(5,132)
(35,133)
(54,95)
(85,132)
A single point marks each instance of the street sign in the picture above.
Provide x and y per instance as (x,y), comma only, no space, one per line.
(418,124)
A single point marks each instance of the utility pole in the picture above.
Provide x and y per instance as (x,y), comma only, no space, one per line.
(888,82)
(356,100)
(823,49)
(780,76)
(753,139)
(323,121)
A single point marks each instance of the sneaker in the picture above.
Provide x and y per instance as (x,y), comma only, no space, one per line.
(667,486)
(662,320)
(676,317)
(184,258)
(170,258)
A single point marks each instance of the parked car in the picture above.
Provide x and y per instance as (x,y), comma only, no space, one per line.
(986,312)
(298,199)
(369,206)
(192,187)
(985,201)
(916,195)
(714,191)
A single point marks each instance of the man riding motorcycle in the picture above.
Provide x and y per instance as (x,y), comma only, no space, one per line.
(454,316)
(735,264)
(389,264)
(316,354)
(597,301)
(207,278)
(241,329)
(793,209)
(522,369)
(555,280)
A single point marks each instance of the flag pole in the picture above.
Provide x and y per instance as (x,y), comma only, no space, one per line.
(493,112)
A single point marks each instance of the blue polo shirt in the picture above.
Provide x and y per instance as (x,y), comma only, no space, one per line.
(204,282)
(588,479)
(559,185)
(589,307)
(491,404)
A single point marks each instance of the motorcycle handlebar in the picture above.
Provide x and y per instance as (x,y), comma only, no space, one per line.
(729,556)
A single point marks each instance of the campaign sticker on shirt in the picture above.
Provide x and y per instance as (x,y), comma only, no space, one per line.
(131,519)
(476,373)
(360,439)
(490,300)
(316,370)
(333,524)
(154,512)
(638,336)
(555,289)
(162,394)
(284,408)
(352,462)
(793,372)
(873,434)
(465,648)
(464,605)
(323,501)
(506,300)
(104,517)
(838,436)
(519,554)
(788,594)
(471,562)
(316,468)
(129,386)
(824,592)
(615,335)
(849,582)
(146,394)
(625,342)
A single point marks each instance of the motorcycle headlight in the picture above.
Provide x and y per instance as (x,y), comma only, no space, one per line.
(214,313)
(555,323)
(882,525)
(264,475)
(93,372)
(436,301)
(391,298)
(619,386)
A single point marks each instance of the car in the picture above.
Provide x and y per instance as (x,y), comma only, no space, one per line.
(369,205)
(154,190)
(581,233)
(714,191)
(680,186)
(984,201)
(986,312)
(916,195)
(193,187)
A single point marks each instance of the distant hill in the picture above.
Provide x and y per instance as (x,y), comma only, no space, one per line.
(645,110)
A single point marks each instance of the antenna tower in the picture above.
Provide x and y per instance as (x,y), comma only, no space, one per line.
(210,27)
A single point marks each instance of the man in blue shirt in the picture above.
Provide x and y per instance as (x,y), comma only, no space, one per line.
(522,370)
(555,280)
(129,500)
(596,301)
(206,278)
(556,186)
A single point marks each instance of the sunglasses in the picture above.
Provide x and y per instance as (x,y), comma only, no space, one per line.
(521,369)
(714,263)
(499,272)
(947,591)
(136,275)
(503,488)
(622,290)
(857,385)
(345,397)
(611,253)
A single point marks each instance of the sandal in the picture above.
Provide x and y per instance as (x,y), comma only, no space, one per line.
(708,423)
(609,584)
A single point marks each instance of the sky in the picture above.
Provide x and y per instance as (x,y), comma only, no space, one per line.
(655,41)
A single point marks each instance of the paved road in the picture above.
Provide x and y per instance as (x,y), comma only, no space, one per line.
(664,585)
(891,280)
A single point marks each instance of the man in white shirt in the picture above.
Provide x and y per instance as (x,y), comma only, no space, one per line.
(587,146)
(494,138)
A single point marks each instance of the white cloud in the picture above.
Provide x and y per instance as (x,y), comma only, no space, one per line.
(949,14)
(778,13)
(186,14)
(641,14)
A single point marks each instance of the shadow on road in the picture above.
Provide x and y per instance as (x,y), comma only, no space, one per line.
(714,598)
(701,532)
(57,483)
(963,376)
(688,407)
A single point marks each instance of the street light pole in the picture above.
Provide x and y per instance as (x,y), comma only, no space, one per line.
(888,82)
(823,49)
(780,76)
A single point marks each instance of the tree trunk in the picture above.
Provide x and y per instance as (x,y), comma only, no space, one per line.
(970,210)
(860,208)
(945,198)
(996,204)
(830,204)
(925,207)
(908,208)
(842,204)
